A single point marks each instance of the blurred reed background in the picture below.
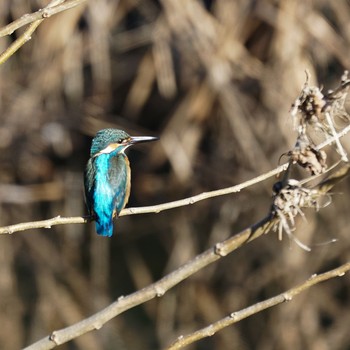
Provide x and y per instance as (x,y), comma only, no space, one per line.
(215,80)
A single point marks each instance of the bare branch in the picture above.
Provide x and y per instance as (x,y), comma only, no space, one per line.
(58,220)
(26,36)
(295,198)
(38,15)
(35,19)
(234,317)
(156,289)
(159,288)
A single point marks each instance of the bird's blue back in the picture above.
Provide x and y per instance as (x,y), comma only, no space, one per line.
(107,188)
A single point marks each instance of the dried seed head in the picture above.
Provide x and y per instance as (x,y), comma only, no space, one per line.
(307,109)
(307,156)
(288,202)
(317,111)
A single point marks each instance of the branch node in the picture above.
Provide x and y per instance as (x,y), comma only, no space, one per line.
(159,291)
(287,297)
(219,249)
(98,325)
(45,14)
(341,274)
(27,37)
(233,315)
(211,330)
(53,337)
(121,298)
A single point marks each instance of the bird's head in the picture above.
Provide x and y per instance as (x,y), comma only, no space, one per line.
(111,140)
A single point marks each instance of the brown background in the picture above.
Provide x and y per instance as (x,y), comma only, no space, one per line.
(215,80)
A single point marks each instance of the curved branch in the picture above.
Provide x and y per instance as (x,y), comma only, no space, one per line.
(323,187)
(160,287)
(156,289)
(165,206)
(58,220)
(234,317)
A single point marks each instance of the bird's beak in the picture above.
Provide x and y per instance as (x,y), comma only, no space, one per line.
(139,139)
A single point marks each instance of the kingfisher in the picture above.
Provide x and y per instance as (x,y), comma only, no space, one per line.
(107,176)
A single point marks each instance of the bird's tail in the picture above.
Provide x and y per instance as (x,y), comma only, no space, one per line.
(104,228)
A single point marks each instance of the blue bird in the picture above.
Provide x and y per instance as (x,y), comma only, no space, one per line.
(107,177)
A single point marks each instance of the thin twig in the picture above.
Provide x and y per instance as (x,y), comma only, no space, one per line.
(54,6)
(334,138)
(234,317)
(58,220)
(159,288)
(340,148)
(26,36)
(156,289)
(38,15)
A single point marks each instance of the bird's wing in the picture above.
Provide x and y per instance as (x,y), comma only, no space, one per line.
(89,178)
(119,177)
